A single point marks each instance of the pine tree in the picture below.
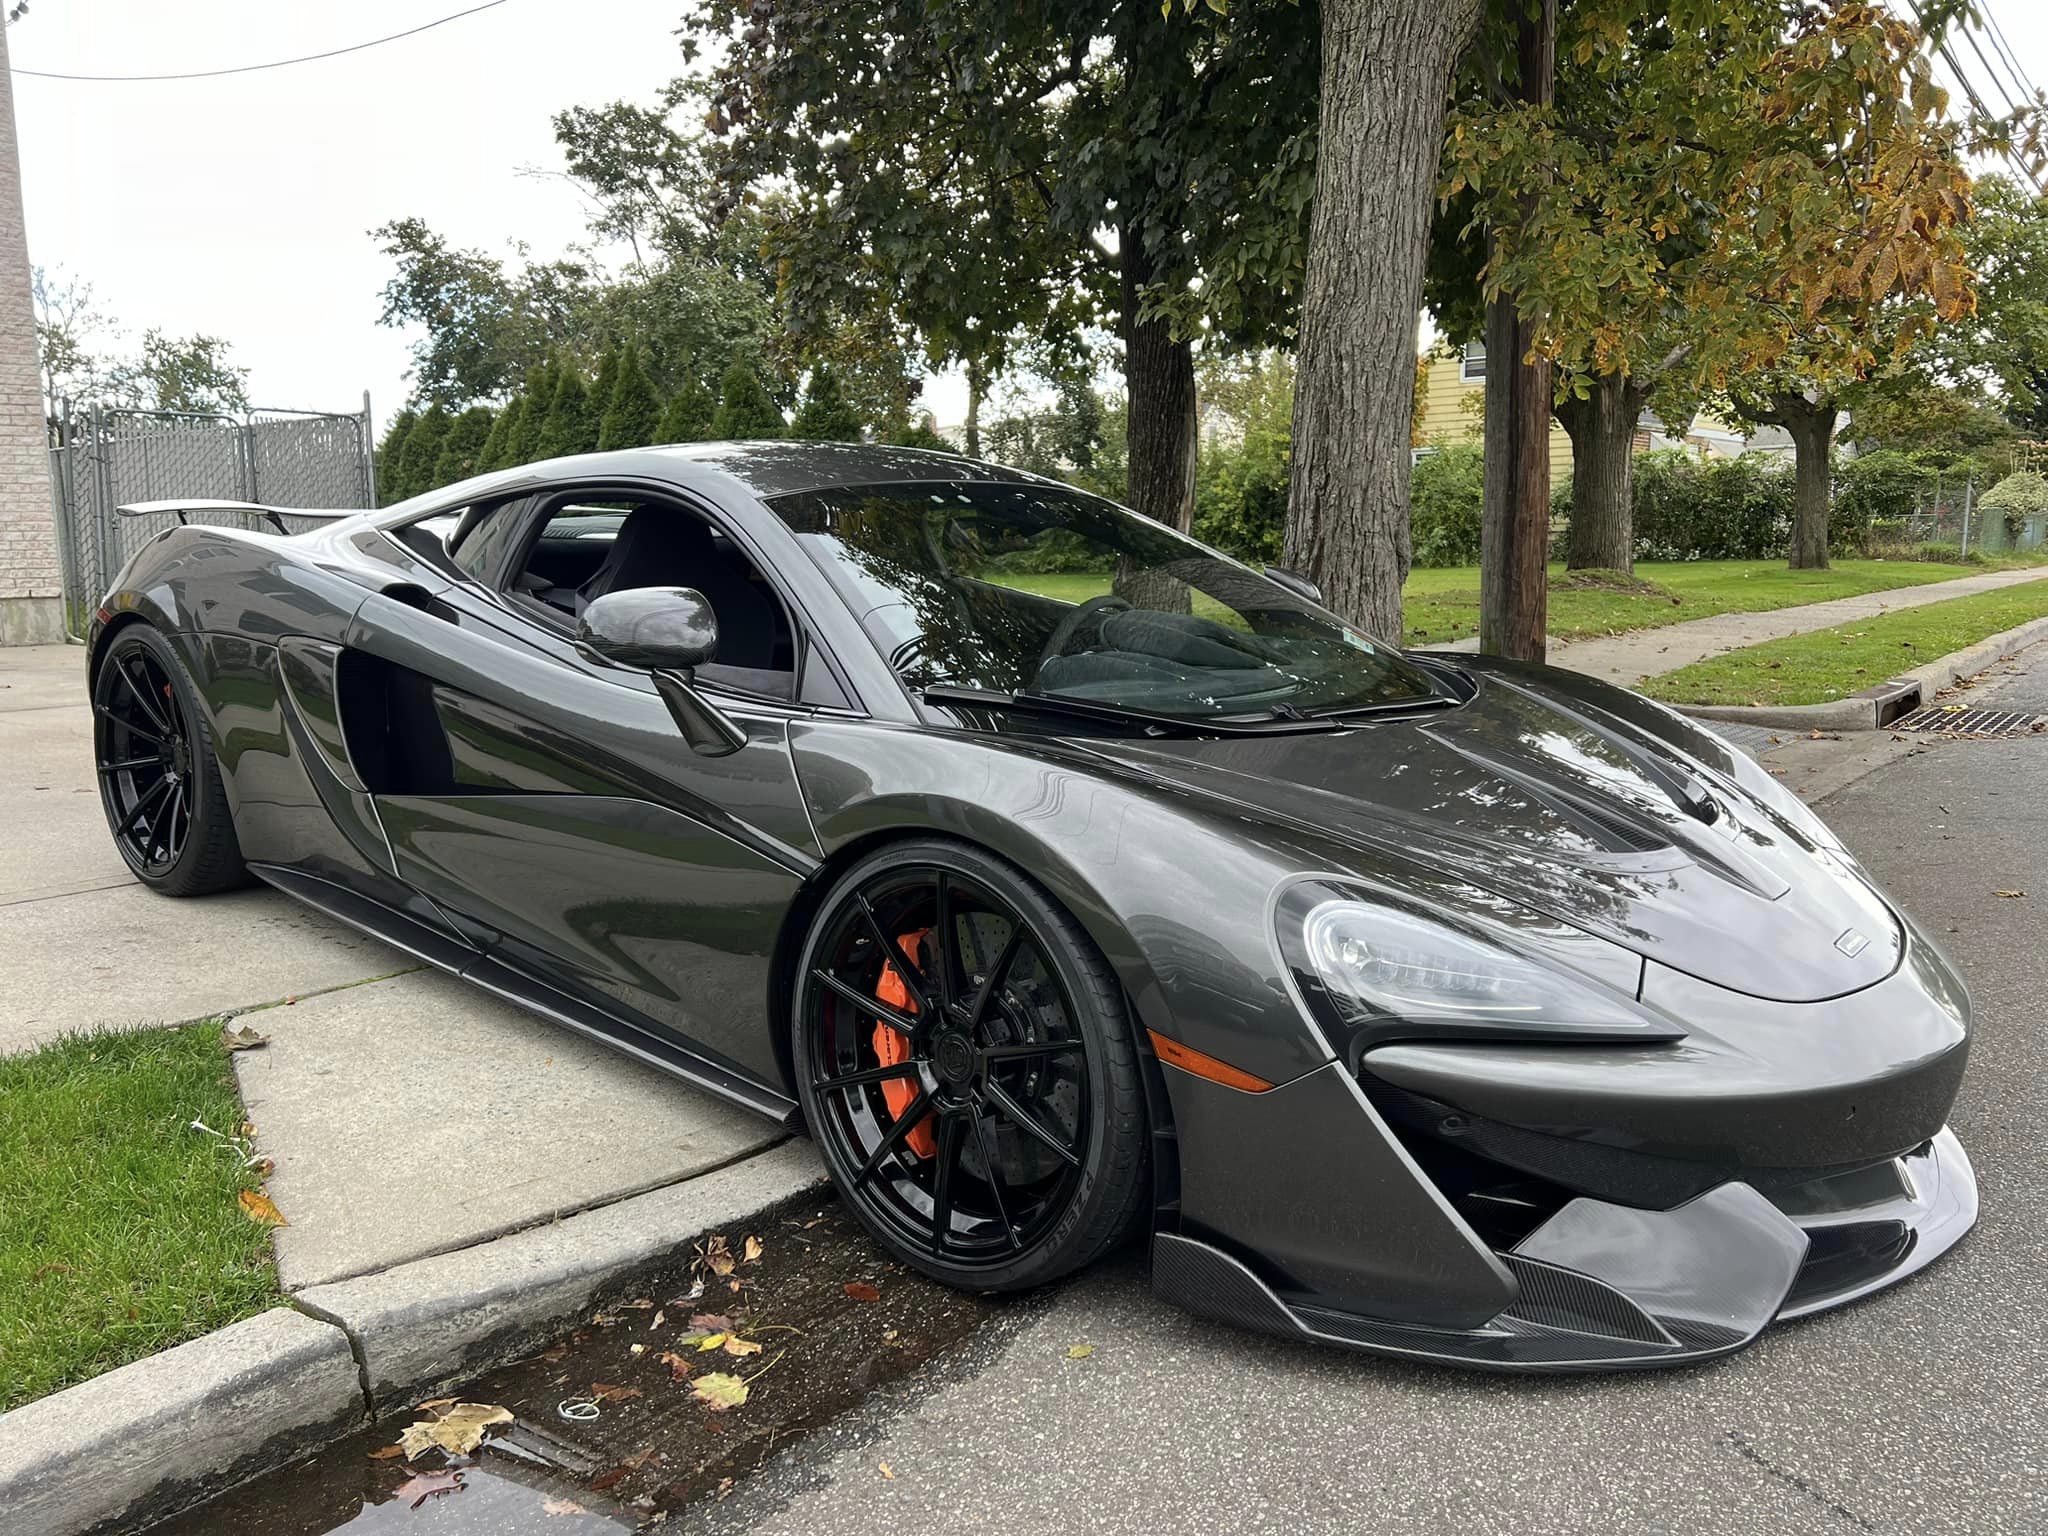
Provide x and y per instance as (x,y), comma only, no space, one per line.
(632,418)
(826,416)
(390,485)
(462,449)
(571,428)
(607,381)
(422,449)
(533,421)
(688,416)
(745,408)
(498,446)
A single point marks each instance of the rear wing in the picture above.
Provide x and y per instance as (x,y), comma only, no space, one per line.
(275,516)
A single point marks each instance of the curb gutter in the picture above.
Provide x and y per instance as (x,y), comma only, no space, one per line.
(155,1437)
(1877,707)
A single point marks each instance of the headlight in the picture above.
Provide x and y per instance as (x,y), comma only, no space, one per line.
(1375,969)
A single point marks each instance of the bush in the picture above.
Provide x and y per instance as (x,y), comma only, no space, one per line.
(2020,495)
(1241,495)
(1714,509)
(1446,491)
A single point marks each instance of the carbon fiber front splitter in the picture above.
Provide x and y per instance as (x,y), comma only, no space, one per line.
(1608,1287)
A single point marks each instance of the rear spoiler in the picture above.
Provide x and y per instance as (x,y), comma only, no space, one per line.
(275,516)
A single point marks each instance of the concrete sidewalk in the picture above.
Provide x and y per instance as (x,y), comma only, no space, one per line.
(1629,658)
(407,1114)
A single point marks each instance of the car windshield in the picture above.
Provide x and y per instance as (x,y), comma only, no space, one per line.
(1037,590)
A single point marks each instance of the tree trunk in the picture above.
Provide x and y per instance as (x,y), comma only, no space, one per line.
(1812,426)
(1514,533)
(1386,68)
(1602,428)
(1159,404)
(977,386)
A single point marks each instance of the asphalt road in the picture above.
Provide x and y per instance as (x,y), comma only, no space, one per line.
(1923,1410)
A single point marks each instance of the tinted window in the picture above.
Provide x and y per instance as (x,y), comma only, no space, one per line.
(1039,589)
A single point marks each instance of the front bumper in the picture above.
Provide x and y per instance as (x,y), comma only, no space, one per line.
(1602,1286)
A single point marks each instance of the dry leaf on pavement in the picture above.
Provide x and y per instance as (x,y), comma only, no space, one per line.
(886,1472)
(606,1392)
(2009,895)
(711,1322)
(678,1367)
(243,1039)
(860,1290)
(386,1452)
(257,1206)
(422,1486)
(1080,1351)
(752,1249)
(458,1431)
(719,1390)
(710,1341)
(561,1507)
(735,1345)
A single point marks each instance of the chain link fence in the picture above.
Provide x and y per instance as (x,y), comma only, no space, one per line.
(105,457)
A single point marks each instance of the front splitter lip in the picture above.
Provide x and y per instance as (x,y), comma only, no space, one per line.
(1939,1210)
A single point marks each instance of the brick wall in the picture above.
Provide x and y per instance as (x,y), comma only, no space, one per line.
(30,577)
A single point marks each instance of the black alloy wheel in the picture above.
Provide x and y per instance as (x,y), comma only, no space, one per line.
(159,783)
(967,1067)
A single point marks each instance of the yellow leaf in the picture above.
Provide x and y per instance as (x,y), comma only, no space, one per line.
(752,1249)
(1080,1351)
(738,1346)
(257,1206)
(719,1390)
(458,1431)
(710,1341)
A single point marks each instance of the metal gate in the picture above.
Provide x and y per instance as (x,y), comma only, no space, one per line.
(103,457)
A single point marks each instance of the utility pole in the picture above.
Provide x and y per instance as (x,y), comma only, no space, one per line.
(1514,536)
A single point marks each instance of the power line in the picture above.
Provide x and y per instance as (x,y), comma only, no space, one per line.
(1940,44)
(2005,51)
(250,69)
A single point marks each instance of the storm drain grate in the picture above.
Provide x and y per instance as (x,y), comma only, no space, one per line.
(1954,720)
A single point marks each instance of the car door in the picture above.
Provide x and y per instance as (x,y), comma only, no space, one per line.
(550,803)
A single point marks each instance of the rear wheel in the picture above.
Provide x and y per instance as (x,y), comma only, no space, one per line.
(966,1065)
(159,781)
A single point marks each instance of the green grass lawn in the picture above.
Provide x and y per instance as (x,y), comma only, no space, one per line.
(120,1232)
(1443,605)
(1833,663)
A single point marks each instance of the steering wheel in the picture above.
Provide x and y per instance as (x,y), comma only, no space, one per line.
(1091,611)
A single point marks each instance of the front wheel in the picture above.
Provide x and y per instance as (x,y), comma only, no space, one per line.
(159,781)
(966,1065)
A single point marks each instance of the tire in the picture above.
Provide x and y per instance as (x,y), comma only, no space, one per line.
(1018,1098)
(159,777)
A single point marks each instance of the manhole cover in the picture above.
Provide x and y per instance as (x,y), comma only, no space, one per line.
(1955,720)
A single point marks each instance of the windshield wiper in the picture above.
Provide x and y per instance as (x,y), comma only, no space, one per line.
(1119,714)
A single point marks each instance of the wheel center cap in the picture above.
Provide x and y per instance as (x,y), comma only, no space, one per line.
(179,757)
(953,1058)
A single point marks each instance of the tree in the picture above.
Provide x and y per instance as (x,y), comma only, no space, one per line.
(602,386)
(745,409)
(390,454)
(496,452)
(825,416)
(688,416)
(2003,346)
(181,373)
(420,453)
(992,172)
(1385,75)
(462,449)
(633,418)
(572,422)
(527,442)
(70,329)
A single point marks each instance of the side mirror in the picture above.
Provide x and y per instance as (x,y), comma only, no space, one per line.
(669,631)
(657,629)
(1296,583)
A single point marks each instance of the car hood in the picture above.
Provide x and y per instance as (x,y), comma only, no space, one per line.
(1573,812)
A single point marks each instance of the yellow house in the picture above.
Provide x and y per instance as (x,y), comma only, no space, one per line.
(1451,410)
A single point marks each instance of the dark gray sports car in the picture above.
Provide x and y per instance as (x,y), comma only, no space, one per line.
(1060,876)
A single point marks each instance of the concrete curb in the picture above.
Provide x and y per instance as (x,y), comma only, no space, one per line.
(1877,707)
(421,1327)
(161,1434)
(158,1436)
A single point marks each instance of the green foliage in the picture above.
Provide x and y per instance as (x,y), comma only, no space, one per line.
(572,421)
(1445,497)
(745,409)
(916,432)
(462,449)
(632,418)
(390,453)
(422,451)
(2022,494)
(606,381)
(496,452)
(1241,477)
(688,415)
(526,445)
(1077,437)
(1715,509)
(825,415)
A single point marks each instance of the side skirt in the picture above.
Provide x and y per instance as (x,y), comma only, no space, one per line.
(401,932)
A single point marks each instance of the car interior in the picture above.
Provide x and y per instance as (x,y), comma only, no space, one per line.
(586,549)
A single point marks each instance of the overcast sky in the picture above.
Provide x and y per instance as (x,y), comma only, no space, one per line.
(240,206)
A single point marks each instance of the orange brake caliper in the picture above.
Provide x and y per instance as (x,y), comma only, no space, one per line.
(899,1093)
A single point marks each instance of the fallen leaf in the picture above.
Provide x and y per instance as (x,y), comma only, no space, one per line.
(752,1249)
(243,1039)
(860,1290)
(257,1206)
(1080,1351)
(386,1452)
(717,1256)
(561,1507)
(724,1488)
(711,1322)
(659,1319)
(459,1431)
(606,1392)
(422,1486)
(2009,895)
(733,1286)
(263,1167)
(605,1480)
(719,1390)
(886,1472)
(552,1356)
(739,1346)
(638,1349)
(678,1366)
(647,1453)
(710,1341)
(639,1303)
